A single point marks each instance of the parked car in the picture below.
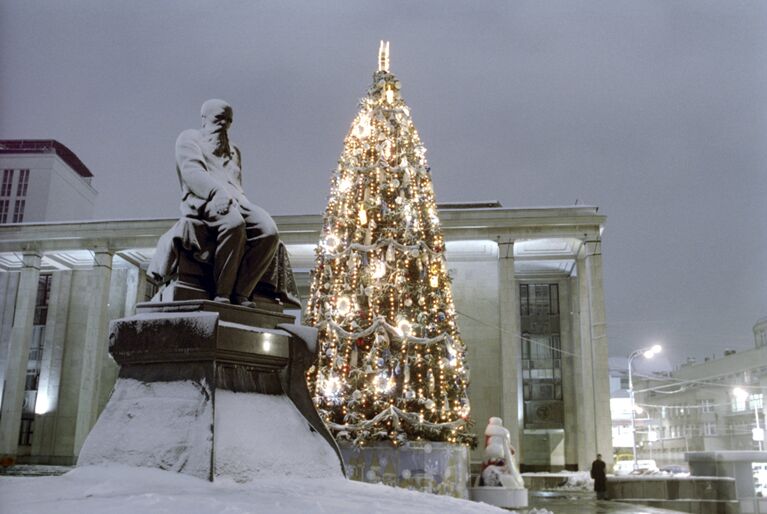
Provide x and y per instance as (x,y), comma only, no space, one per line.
(675,470)
(643,467)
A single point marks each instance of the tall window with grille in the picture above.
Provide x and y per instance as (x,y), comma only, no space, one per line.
(541,356)
(6,187)
(34,361)
(21,196)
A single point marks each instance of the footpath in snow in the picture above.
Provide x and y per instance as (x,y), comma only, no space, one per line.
(130,490)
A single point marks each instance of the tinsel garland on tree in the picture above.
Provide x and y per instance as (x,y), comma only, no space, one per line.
(391,362)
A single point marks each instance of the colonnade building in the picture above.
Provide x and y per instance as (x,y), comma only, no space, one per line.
(527,285)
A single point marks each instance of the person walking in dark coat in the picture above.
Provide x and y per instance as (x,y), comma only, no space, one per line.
(600,477)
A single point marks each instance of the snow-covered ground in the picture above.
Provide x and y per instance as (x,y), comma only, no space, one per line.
(266,461)
(122,489)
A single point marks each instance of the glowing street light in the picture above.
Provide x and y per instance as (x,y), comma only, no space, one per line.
(650,352)
(647,353)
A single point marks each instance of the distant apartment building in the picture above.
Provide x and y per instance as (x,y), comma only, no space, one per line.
(697,407)
(43,180)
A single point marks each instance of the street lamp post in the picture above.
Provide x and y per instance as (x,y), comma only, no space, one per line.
(741,393)
(647,353)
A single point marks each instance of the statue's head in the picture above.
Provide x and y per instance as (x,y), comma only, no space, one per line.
(495,421)
(216,114)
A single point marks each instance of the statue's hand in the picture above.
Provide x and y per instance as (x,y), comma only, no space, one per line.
(220,203)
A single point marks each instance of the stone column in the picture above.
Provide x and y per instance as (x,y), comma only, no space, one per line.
(134,292)
(569,394)
(9,284)
(122,302)
(94,348)
(586,413)
(44,436)
(511,350)
(601,373)
(577,372)
(18,355)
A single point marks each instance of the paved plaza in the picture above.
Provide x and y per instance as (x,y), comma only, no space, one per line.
(586,503)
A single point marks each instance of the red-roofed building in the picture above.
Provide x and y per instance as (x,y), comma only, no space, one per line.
(43,180)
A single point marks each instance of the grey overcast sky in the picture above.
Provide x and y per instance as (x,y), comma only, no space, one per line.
(654,110)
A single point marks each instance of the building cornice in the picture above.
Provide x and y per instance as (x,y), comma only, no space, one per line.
(465,224)
(26,147)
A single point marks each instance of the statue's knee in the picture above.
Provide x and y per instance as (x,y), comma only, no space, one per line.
(272,234)
(234,223)
(271,241)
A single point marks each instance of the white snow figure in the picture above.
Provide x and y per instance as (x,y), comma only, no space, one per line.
(498,469)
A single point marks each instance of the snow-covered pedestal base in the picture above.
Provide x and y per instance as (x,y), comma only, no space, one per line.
(264,436)
(212,390)
(431,467)
(172,426)
(166,425)
(500,496)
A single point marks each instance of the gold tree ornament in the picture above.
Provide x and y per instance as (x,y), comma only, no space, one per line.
(391,362)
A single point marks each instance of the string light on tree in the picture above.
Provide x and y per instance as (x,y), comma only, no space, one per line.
(391,363)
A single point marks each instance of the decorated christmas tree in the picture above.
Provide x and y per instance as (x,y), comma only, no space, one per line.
(391,362)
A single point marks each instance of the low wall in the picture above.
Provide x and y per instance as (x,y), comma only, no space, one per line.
(425,466)
(563,481)
(737,464)
(698,495)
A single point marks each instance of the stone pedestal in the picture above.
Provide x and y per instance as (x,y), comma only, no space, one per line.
(500,497)
(193,373)
(425,466)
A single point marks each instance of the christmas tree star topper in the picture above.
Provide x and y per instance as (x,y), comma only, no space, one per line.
(383,56)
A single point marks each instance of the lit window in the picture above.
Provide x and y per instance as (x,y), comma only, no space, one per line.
(18,211)
(5,190)
(4,204)
(43,299)
(524,300)
(26,430)
(21,189)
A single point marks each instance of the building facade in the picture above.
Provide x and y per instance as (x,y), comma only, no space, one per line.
(43,180)
(620,406)
(702,406)
(527,285)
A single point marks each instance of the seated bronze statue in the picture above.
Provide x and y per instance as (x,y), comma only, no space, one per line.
(223,247)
